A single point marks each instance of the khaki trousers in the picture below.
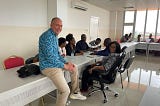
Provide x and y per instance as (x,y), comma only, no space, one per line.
(57,77)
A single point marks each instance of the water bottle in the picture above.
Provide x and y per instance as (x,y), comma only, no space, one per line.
(72,53)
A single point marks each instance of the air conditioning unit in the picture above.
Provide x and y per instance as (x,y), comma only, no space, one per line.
(78,4)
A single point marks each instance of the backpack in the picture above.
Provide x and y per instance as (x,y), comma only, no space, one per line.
(28,70)
(32,59)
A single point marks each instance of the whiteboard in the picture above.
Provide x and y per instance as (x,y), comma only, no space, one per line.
(94,27)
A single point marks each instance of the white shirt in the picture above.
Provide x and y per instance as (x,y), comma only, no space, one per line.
(62,51)
(93,45)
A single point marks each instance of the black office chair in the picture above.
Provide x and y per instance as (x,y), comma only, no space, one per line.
(106,77)
(124,48)
(124,67)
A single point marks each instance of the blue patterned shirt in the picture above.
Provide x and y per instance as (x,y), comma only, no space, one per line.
(49,56)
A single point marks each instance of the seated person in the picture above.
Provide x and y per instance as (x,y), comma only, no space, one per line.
(104,52)
(158,40)
(139,38)
(95,44)
(62,45)
(157,53)
(130,37)
(124,38)
(151,39)
(115,50)
(70,47)
(82,45)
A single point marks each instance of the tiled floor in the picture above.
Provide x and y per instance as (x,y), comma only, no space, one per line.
(144,72)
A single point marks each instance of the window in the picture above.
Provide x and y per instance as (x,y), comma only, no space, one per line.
(129,16)
(151,23)
(128,29)
(146,23)
(158,29)
(140,23)
(128,22)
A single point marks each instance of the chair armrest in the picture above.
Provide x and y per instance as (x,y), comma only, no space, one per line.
(101,72)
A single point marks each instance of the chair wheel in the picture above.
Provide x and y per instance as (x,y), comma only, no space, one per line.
(88,95)
(105,101)
(116,95)
(68,103)
(107,88)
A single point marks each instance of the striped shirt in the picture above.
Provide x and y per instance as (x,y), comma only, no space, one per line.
(110,60)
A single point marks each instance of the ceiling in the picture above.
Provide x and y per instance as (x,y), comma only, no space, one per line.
(125,4)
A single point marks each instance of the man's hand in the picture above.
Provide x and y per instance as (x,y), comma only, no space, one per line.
(69,66)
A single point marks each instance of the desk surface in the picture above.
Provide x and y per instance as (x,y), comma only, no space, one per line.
(128,44)
(15,91)
(12,80)
(80,60)
(148,46)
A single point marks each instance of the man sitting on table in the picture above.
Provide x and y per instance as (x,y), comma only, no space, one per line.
(52,64)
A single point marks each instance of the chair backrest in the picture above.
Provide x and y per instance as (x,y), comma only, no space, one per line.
(124,48)
(128,62)
(13,61)
(121,58)
(112,72)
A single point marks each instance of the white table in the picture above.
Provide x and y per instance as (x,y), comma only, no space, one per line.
(15,91)
(154,46)
(148,46)
(142,45)
(81,62)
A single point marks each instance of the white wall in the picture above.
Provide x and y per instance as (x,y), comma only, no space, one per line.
(23,12)
(23,21)
(78,21)
(116,24)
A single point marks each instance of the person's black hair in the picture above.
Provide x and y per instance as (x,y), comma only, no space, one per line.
(69,37)
(98,39)
(126,36)
(61,40)
(130,34)
(107,41)
(118,47)
(82,36)
(139,35)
